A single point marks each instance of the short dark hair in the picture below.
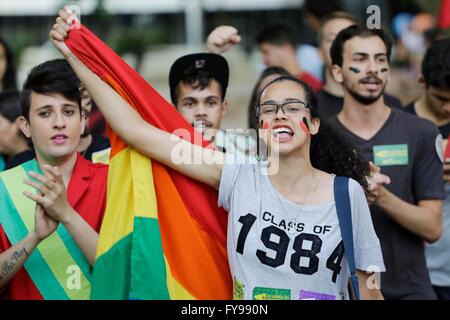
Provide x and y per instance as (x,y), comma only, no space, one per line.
(436,64)
(9,105)
(341,15)
(278,35)
(321,8)
(337,48)
(54,76)
(9,80)
(198,78)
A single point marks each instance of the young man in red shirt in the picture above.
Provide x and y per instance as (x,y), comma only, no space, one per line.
(48,239)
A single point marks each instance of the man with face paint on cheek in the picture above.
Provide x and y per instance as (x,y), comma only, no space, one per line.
(405,187)
(330,98)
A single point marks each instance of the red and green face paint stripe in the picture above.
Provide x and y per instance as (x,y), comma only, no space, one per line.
(304,125)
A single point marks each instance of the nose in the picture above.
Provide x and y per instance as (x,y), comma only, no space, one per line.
(372,66)
(59,121)
(280,115)
(200,111)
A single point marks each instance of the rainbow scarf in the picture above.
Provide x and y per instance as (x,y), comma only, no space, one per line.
(163,235)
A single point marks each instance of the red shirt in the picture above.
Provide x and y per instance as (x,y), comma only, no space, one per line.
(87,195)
(310,80)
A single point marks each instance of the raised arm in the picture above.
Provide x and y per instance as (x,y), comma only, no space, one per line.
(130,126)
(222,38)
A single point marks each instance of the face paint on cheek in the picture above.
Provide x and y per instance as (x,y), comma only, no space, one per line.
(384,70)
(265,125)
(355,70)
(304,125)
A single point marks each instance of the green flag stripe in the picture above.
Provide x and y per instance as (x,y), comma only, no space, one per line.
(53,248)
(112,272)
(147,251)
(35,265)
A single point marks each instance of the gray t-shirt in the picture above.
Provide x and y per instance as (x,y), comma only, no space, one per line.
(278,249)
(438,253)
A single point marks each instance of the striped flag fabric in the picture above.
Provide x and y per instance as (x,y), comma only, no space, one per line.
(163,235)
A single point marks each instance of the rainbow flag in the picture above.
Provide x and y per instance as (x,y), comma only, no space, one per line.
(163,235)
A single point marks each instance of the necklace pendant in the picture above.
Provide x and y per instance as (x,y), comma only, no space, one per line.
(292,229)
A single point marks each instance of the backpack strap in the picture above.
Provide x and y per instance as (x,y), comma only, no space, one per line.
(344,213)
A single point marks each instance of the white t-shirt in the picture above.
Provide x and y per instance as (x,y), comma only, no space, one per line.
(278,249)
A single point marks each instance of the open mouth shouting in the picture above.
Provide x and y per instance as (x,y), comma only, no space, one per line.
(371,83)
(201,125)
(282,133)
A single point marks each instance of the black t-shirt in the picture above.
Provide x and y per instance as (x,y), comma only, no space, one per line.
(330,105)
(444,130)
(405,150)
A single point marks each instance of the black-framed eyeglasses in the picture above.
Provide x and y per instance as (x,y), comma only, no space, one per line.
(270,109)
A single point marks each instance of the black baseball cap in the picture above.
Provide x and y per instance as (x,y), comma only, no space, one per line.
(213,63)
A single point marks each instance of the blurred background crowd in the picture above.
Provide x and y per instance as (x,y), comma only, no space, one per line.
(152,34)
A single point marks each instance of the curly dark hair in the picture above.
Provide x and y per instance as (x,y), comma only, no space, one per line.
(330,151)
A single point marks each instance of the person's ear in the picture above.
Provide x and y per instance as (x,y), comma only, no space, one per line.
(314,126)
(24,126)
(224,108)
(336,71)
(421,81)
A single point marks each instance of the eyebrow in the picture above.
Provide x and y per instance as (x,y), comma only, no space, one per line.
(212,98)
(285,100)
(292,99)
(48,106)
(189,99)
(195,99)
(366,54)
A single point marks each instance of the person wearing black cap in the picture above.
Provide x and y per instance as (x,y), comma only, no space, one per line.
(198,84)
(406,207)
